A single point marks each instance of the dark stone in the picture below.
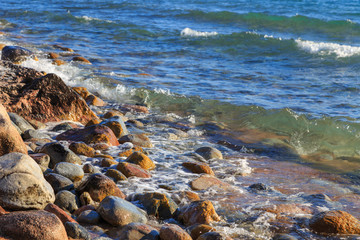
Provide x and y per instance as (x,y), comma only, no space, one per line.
(15,54)
(76,231)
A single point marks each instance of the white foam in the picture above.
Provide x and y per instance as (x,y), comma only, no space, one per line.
(87,18)
(188,32)
(325,48)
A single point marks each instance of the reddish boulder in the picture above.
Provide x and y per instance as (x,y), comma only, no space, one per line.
(95,101)
(198,212)
(142,160)
(81,59)
(137,139)
(43,98)
(197,167)
(90,135)
(173,232)
(35,225)
(82,91)
(82,149)
(61,214)
(208,181)
(197,230)
(132,170)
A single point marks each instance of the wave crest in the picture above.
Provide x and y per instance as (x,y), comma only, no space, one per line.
(188,32)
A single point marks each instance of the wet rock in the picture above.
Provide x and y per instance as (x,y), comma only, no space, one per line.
(99,186)
(22,185)
(213,236)
(59,182)
(209,153)
(62,127)
(197,167)
(89,168)
(283,236)
(119,212)
(95,101)
(128,151)
(41,159)
(89,217)
(132,170)
(35,225)
(82,91)
(86,199)
(335,222)
(138,231)
(113,113)
(135,123)
(197,230)
(71,171)
(208,181)
(118,127)
(67,201)
(84,208)
(158,204)
(82,149)
(61,214)
(287,209)
(10,139)
(58,62)
(134,108)
(115,175)
(174,232)
(90,135)
(53,55)
(81,59)
(182,197)
(34,134)
(59,153)
(36,124)
(63,48)
(92,122)
(142,160)
(107,162)
(43,98)
(259,187)
(20,122)
(198,212)
(138,139)
(15,54)
(76,231)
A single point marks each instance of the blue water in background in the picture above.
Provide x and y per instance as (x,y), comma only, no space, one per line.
(286,67)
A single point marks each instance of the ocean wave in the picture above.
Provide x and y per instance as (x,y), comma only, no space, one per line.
(327,48)
(188,32)
(87,18)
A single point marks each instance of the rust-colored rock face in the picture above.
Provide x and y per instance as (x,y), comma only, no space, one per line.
(61,214)
(10,139)
(142,160)
(198,212)
(43,98)
(197,167)
(132,170)
(174,232)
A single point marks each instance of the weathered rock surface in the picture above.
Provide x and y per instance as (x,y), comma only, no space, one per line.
(138,139)
(35,225)
(138,231)
(76,231)
(116,175)
(198,212)
(67,201)
(208,181)
(335,222)
(197,167)
(59,182)
(119,212)
(15,54)
(90,135)
(28,134)
(61,214)
(82,149)
(10,139)
(132,170)
(213,236)
(20,122)
(89,217)
(173,232)
(142,160)
(209,153)
(22,185)
(41,159)
(43,98)
(59,153)
(69,170)
(197,230)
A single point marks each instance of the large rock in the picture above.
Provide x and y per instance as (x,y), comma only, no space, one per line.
(209,153)
(335,222)
(208,181)
(76,231)
(71,171)
(10,139)
(34,225)
(198,212)
(119,212)
(173,232)
(43,98)
(20,122)
(59,182)
(137,231)
(67,201)
(82,149)
(22,185)
(100,186)
(142,160)
(61,214)
(90,135)
(59,153)
(132,170)
(117,125)
(138,139)
(15,54)
(197,167)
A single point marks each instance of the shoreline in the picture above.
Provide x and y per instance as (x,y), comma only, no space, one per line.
(172,147)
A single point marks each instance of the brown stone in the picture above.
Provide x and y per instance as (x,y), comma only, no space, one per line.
(137,231)
(36,124)
(100,146)
(90,135)
(197,167)
(116,127)
(85,199)
(42,159)
(136,123)
(81,59)
(335,222)
(208,181)
(107,162)
(173,232)
(128,152)
(58,62)
(113,113)
(213,236)
(197,230)
(135,108)
(287,209)
(84,208)
(92,122)
(100,186)
(63,48)
(35,225)
(2,46)
(142,160)
(82,91)
(61,214)
(95,101)
(159,205)
(43,98)
(132,170)
(82,149)
(138,139)
(198,212)
(10,139)
(53,55)
(116,175)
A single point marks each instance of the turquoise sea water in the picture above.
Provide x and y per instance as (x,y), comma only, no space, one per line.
(289,69)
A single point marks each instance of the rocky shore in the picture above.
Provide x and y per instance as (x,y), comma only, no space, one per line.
(73,166)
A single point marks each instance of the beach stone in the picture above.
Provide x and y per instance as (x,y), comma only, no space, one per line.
(132,170)
(15,54)
(173,232)
(107,162)
(92,122)
(137,139)
(85,199)
(59,153)
(213,236)
(59,182)
(116,175)
(90,135)
(104,156)
(76,231)
(283,236)
(34,225)
(137,231)
(128,152)
(82,149)
(135,123)
(183,196)
(288,209)
(82,91)
(259,187)
(119,212)
(22,185)
(71,171)
(84,208)
(20,122)
(52,55)
(81,59)
(36,124)
(34,134)
(199,229)
(95,101)
(62,127)
(335,222)
(100,186)
(158,204)
(89,217)
(10,139)
(67,201)
(58,62)
(41,159)
(197,167)
(209,153)
(118,127)
(63,48)
(88,168)
(61,214)
(208,181)
(134,108)
(46,98)
(198,212)
(142,160)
